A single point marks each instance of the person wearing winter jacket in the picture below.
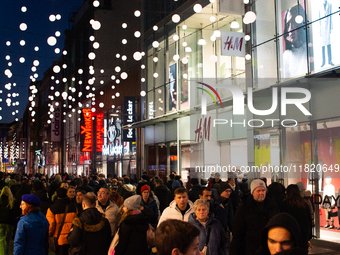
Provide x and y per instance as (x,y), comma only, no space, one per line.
(180,208)
(127,189)
(149,201)
(31,237)
(163,194)
(210,229)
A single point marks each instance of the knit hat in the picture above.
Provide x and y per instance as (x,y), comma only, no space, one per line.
(255,184)
(133,202)
(223,186)
(61,192)
(144,188)
(301,186)
(31,200)
(176,184)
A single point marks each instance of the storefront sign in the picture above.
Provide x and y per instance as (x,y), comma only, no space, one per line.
(22,148)
(202,131)
(86,131)
(112,142)
(100,132)
(111,150)
(233,44)
(56,123)
(129,117)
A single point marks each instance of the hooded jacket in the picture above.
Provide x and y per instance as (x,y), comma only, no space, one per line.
(31,237)
(281,220)
(218,242)
(173,212)
(92,230)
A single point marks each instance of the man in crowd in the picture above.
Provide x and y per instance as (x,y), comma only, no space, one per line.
(108,208)
(91,229)
(163,194)
(86,186)
(180,208)
(79,196)
(114,195)
(127,189)
(251,218)
(195,190)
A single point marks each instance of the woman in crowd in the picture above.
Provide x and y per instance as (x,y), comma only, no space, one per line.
(31,237)
(6,219)
(212,234)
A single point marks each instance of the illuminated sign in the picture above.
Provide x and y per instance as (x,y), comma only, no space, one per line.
(86,131)
(129,118)
(100,132)
(111,150)
(56,123)
(112,142)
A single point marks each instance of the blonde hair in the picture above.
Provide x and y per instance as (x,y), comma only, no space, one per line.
(6,191)
(124,214)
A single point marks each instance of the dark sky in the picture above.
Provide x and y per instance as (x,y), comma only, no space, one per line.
(39,28)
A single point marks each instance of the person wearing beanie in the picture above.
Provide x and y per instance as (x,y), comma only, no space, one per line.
(149,201)
(31,237)
(132,228)
(222,207)
(250,219)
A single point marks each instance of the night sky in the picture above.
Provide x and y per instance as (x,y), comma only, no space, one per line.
(39,28)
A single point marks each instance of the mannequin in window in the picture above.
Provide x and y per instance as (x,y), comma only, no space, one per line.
(328,201)
(326,26)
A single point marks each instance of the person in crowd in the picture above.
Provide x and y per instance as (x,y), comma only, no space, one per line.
(195,190)
(205,193)
(163,193)
(175,237)
(180,208)
(297,207)
(6,218)
(102,183)
(79,196)
(55,215)
(282,233)
(2,180)
(114,195)
(307,196)
(223,209)
(93,181)
(91,230)
(212,235)
(13,185)
(71,194)
(235,195)
(31,236)
(145,180)
(86,186)
(169,183)
(64,185)
(132,228)
(105,206)
(54,185)
(40,191)
(251,218)
(127,189)
(277,192)
(214,180)
(149,201)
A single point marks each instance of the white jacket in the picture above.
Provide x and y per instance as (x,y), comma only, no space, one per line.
(111,214)
(173,212)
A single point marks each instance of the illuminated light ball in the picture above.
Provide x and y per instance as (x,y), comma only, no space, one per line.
(212,19)
(184,27)
(52,88)
(24,9)
(51,41)
(213,58)
(52,17)
(56,50)
(23,26)
(197,8)
(248,57)
(113,97)
(124,41)
(155,28)
(212,1)
(58,16)
(299,19)
(80,71)
(96,3)
(8,57)
(249,17)
(48,121)
(185,76)
(22,60)
(56,69)
(91,38)
(80,82)
(176,18)
(185,60)
(91,21)
(8,43)
(117,55)
(247,37)
(185,44)
(143,93)
(142,66)
(35,75)
(64,79)
(124,58)
(175,37)
(36,48)
(175,57)
(155,59)
(137,13)
(101,105)
(155,44)
(36,62)
(101,70)
(123,75)
(212,38)
(113,106)
(137,56)
(137,34)
(117,69)
(22,42)
(113,87)
(34,69)
(57,33)
(91,71)
(57,81)
(246,1)
(96,45)
(93,109)
(57,93)
(117,81)
(101,93)
(143,79)
(155,75)
(96,25)
(124,25)
(113,77)
(143,53)
(64,66)
(92,56)
(9,63)
(64,52)
(117,94)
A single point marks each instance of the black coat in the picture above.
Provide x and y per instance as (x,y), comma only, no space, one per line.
(164,196)
(250,219)
(45,201)
(194,193)
(96,236)
(132,236)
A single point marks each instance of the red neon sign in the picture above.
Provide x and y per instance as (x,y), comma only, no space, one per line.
(100,131)
(86,130)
